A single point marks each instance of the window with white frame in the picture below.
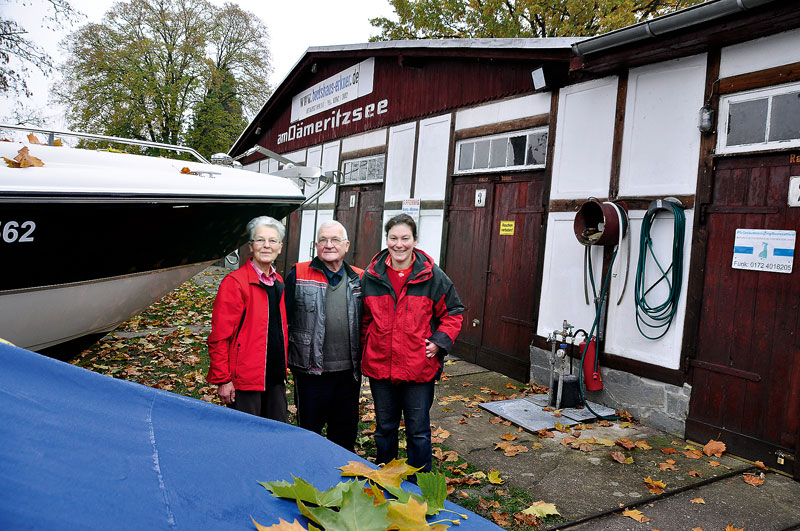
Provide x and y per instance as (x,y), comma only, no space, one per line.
(760,119)
(364,169)
(509,151)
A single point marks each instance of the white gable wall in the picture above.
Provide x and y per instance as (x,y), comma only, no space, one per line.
(432,155)
(366,140)
(400,162)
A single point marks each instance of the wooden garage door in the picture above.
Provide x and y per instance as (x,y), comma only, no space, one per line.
(494,270)
(746,373)
(360,210)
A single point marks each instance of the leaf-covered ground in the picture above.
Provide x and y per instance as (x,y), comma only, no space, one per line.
(164,347)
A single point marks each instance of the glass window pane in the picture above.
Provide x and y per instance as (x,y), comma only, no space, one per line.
(465,156)
(537,149)
(362,170)
(381,167)
(498,156)
(747,122)
(372,169)
(516,151)
(784,123)
(348,168)
(481,154)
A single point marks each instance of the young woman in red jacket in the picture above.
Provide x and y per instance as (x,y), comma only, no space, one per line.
(412,316)
(248,339)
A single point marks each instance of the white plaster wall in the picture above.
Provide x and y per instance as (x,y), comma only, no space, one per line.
(584,138)
(661,142)
(308,232)
(366,140)
(432,152)
(760,54)
(399,162)
(562,282)
(623,338)
(330,162)
(429,232)
(503,111)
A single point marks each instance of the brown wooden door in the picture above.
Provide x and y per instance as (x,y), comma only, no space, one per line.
(746,371)
(360,210)
(496,273)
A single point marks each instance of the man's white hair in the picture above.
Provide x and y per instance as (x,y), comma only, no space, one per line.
(333,223)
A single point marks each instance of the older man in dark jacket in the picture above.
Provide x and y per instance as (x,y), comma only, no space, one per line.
(324,308)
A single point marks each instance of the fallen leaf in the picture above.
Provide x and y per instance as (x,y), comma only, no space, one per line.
(695,473)
(529,520)
(731,528)
(654,486)
(544,433)
(501,519)
(495,420)
(563,429)
(542,509)
(714,463)
(755,480)
(667,466)
(33,139)
(509,436)
(485,505)
(693,454)
(626,443)
(620,457)
(636,515)
(715,448)
(668,450)
(282,525)
(761,465)
(494,478)
(391,474)
(643,445)
(698,500)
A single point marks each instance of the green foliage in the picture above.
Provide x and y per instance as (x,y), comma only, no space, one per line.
(357,512)
(443,19)
(167,71)
(306,492)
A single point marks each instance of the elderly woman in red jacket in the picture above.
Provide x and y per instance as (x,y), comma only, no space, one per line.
(412,315)
(248,340)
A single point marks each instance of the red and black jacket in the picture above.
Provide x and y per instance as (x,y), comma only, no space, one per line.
(395,327)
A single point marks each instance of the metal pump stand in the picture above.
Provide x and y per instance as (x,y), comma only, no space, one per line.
(558,356)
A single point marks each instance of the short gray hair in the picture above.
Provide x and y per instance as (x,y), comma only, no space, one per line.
(333,223)
(265,221)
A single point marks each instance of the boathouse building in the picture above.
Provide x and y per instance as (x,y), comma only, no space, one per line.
(495,145)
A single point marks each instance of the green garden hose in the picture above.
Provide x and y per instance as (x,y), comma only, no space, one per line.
(659,316)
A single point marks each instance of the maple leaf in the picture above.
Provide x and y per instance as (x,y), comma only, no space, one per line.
(698,500)
(509,436)
(391,474)
(626,443)
(357,511)
(668,450)
(304,491)
(604,423)
(510,385)
(501,518)
(537,446)
(605,442)
(544,433)
(407,516)
(714,463)
(761,465)
(643,445)
(755,480)
(563,429)
(282,525)
(654,486)
(620,457)
(542,509)
(494,478)
(731,528)
(693,454)
(636,515)
(439,435)
(695,473)
(530,520)
(434,490)
(666,466)
(485,505)
(715,448)
(495,420)
(33,139)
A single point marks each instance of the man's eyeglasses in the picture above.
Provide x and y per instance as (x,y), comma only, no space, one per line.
(259,242)
(333,241)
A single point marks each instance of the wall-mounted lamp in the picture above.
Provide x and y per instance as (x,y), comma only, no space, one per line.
(705,120)
(258,130)
(314,68)
(539,81)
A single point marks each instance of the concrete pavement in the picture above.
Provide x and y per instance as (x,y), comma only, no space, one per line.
(590,487)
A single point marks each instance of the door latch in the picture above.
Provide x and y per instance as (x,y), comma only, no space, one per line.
(475,323)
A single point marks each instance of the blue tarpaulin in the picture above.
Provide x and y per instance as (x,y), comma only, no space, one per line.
(79,450)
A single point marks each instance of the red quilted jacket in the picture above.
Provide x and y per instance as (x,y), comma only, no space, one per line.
(237,344)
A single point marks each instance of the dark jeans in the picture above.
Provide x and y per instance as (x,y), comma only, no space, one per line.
(270,403)
(412,400)
(329,398)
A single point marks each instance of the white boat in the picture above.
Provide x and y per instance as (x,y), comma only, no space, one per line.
(91,238)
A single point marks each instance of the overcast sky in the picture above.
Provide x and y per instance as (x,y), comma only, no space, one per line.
(294,25)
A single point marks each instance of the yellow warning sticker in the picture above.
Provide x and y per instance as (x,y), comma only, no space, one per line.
(506,228)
